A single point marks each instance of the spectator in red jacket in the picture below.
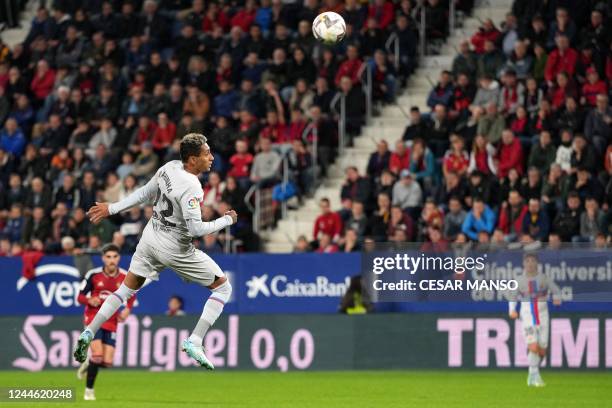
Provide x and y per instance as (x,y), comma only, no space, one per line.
(563,58)
(592,87)
(215,17)
(382,12)
(456,159)
(245,17)
(241,164)
(400,158)
(350,67)
(488,31)
(510,155)
(144,133)
(165,133)
(296,127)
(275,129)
(511,216)
(43,81)
(563,89)
(328,223)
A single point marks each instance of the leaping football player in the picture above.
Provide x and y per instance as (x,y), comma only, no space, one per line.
(166,242)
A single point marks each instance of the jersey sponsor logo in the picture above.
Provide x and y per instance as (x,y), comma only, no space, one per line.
(281,286)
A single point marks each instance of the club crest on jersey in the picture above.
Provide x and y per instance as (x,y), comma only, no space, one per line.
(192,203)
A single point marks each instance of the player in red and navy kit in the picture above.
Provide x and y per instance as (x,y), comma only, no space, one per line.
(99,283)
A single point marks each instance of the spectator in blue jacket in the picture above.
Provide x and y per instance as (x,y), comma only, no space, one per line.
(226,102)
(422,163)
(480,219)
(14,224)
(12,139)
(264,17)
(536,223)
(442,93)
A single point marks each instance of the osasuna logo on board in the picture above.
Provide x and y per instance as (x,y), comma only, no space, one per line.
(281,286)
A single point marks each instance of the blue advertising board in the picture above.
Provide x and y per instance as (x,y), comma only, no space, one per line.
(307,283)
(262,283)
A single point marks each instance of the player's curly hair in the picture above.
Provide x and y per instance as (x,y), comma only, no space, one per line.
(191,145)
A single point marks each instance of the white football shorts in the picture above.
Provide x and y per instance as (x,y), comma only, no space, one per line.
(193,266)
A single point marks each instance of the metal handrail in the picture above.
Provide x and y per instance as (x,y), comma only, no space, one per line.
(255,210)
(314,154)
(401,108)
(255,190)
(422,31)
(247,197)
(393,40)
(228,241)
(451,17)
(366,86)
(340,97)
(284,182)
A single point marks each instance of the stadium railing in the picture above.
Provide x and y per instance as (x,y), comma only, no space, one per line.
(254,198)
(340,98)
(422,32)
(392,47)
(366,86)
(254,206)
(312,130)
(422,24)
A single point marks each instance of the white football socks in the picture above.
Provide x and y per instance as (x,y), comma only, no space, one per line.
(212,310)
(534,362)
(110,306)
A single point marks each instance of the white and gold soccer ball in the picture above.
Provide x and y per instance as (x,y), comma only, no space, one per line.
(329,27)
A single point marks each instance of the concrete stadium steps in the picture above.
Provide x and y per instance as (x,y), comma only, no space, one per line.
(17,35)
(279,247)
(496,12)
(389,125)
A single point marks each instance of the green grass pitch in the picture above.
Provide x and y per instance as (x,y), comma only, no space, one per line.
(460,388)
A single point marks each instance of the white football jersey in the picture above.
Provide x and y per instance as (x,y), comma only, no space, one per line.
(533,293)
(178,198)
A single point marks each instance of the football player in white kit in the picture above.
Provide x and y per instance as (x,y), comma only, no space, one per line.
(166,242)
(534,288)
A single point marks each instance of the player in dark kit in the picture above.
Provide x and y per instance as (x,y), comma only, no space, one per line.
(99,283)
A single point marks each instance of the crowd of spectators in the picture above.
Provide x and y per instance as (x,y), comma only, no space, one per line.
(98,95)
(514,149)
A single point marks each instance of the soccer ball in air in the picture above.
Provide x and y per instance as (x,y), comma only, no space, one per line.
(329,27)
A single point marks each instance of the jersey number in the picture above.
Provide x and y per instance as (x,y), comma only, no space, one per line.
(167,213)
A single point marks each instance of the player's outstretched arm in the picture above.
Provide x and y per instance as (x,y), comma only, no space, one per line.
(98,212)
(144,194)
(198,228)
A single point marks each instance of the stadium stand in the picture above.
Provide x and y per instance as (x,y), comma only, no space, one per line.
(96,96)
(510,121)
